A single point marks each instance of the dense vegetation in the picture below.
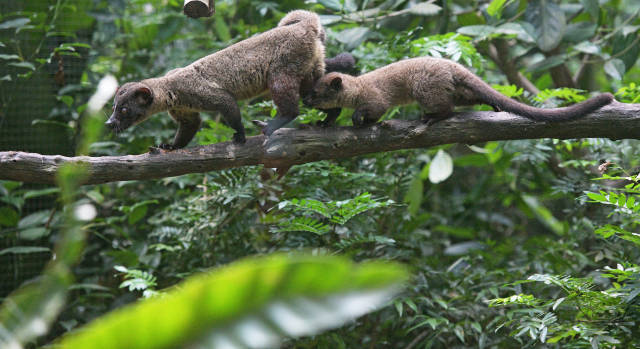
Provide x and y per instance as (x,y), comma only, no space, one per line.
(510,244)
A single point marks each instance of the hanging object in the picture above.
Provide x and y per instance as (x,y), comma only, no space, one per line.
(199,8)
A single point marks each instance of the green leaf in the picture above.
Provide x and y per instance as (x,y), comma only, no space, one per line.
(14,23)
(347,209)
(42,192)
(477,30)
(424,9)
(33,233)
(329,19)
(596,197)
(53,125)
(547,63)
(139,210)
(307,205)
(9,57)
(441,167)
(615,68)
(67,100)
(8,216)
(307,224)
(137,213)
(544,215)
(27,65)
(459,331)
(23,250)
(36,218)
(543,334)
(509,90)
(581,31)
(495,8)
(353,37)
(260,299)
(592,7)
(626,48)
(548,22)
(588,47)
(332,4)
(414,195)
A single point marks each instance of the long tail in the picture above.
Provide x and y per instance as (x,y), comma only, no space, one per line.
(343,63)
(496,99)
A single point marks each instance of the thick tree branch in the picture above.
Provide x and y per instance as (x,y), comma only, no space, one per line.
(287,147)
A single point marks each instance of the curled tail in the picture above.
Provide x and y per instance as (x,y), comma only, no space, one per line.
(488,95)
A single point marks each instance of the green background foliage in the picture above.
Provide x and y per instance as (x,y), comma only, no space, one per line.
(511,244)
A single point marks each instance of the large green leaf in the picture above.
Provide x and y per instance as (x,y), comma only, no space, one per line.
(251,303)
(548,23)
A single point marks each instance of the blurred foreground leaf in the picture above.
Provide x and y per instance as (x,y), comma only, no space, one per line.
(252,303)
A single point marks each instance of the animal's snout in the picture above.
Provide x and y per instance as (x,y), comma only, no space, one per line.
(112,124)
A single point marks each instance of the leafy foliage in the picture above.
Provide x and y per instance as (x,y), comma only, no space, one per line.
(577,313)
(138,280)
(251,303)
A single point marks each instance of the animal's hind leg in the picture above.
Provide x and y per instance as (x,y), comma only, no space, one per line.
(285,91)
(439,107)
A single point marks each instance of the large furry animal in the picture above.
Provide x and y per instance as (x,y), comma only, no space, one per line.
(438,85)
(282,61)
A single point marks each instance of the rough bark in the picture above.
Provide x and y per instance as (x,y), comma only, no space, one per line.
(287,147)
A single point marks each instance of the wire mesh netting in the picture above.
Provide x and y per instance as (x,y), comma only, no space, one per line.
(34,115)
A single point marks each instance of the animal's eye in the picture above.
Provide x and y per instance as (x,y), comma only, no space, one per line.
(123,110)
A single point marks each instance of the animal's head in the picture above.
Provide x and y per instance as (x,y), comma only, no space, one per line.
(131,105)
(328,92)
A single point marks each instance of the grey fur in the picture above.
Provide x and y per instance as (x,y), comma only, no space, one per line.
(438,85)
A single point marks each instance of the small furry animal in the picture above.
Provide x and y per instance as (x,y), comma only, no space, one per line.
(286,61)
(438,85)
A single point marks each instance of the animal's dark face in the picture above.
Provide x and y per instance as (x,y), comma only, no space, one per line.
(131,106)
(326,93)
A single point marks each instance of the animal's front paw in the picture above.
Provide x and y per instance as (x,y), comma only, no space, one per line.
(239,138)
(165,146)
(161,148)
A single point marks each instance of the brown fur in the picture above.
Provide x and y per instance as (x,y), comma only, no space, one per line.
(285,61)
(438,85)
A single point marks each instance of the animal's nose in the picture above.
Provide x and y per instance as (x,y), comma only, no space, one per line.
(111,123)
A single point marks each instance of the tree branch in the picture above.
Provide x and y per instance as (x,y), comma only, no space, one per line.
(287,147)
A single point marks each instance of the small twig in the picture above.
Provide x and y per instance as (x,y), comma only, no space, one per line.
(507,66)
(417,340)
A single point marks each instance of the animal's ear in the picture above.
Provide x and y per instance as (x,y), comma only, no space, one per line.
(336,83)
(144,96)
